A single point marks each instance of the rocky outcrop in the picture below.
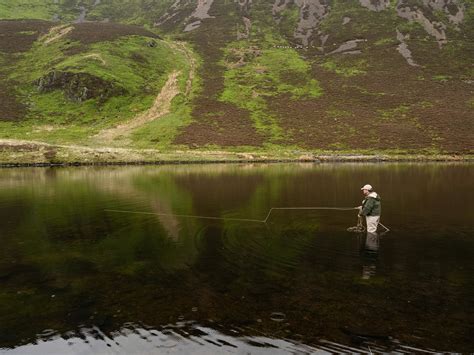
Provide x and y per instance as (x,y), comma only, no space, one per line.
(79,87)
(402,48)
(200,13)
(312,12)
(375,5)
(454,10)
(244,8)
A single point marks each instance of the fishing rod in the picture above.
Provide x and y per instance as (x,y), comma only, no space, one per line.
(358,228)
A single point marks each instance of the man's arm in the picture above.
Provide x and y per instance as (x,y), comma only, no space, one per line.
(368,206)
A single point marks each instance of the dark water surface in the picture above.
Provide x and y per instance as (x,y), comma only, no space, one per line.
(76,278)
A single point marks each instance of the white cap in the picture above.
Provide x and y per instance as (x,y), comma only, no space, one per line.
(366,187)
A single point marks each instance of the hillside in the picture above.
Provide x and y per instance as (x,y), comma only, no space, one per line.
(364,76)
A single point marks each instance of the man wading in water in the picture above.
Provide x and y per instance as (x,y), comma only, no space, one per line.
(370,208)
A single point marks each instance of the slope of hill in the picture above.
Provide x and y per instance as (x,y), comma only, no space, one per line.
(65,83)
(366,76)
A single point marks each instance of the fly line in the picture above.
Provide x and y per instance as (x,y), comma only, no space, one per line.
(358,228)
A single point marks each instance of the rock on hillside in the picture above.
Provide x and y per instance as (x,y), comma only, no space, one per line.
(79,86)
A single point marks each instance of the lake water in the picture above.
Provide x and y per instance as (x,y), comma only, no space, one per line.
(83,270)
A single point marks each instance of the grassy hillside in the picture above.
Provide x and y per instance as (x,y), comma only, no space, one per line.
(368,96)
(366,76)
(28,9)
(72,81)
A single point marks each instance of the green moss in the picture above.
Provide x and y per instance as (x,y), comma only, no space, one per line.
(470,103)
(346,69)
(27,33)
(385,41)
(397,112)
(441,78)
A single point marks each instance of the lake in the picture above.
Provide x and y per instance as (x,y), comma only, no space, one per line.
(176,259)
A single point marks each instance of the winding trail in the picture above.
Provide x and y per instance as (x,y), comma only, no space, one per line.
(56,33)
(102,142)
(161,106)
(181,47)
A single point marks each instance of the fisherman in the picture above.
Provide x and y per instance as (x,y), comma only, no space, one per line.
(370,208)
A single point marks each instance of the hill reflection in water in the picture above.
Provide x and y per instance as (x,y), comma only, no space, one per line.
(78,278)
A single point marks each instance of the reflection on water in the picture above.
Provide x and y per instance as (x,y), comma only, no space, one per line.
(183,337)
(370,251)
(78,278)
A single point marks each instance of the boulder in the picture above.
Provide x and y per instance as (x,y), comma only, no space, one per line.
(79,87)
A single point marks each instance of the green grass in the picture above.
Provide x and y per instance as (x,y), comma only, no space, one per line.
(470,103)
(266,74)
(110,61)
(136,12)
(397,112)
(160,134)
(27,9)
(345,68)
(441,78)
(385,41)
(130,11)
(118,64)
(274,73)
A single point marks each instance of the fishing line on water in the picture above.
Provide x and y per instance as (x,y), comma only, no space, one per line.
(235,219)
(351,229)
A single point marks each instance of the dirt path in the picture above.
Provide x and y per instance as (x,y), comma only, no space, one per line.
(161,106)
(101,142)
(162,103)
(181,47)
(56,33)
(97,57)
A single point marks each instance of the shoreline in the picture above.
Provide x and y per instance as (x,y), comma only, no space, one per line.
(317,159)
(23,153)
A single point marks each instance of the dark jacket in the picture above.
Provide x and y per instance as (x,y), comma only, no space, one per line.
(371,205)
